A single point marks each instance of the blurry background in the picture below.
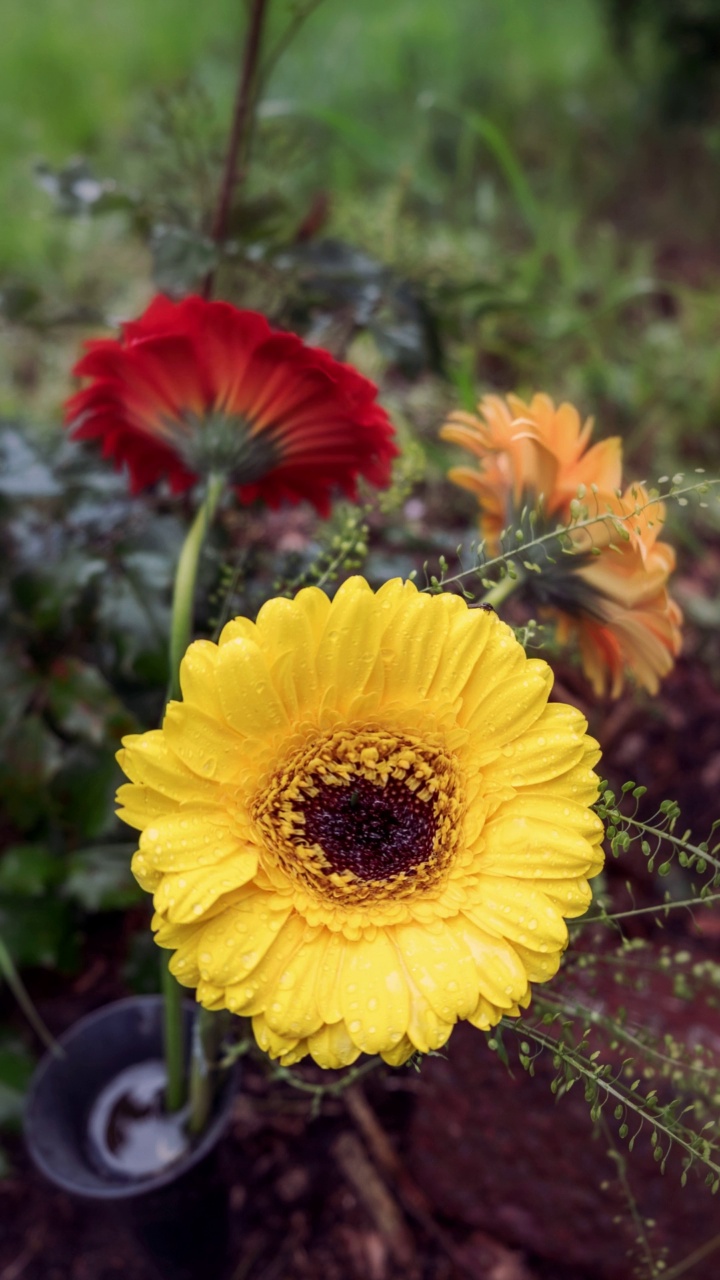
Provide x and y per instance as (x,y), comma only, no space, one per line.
(543,173)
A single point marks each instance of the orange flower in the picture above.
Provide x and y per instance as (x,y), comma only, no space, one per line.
(527,451)
(611,594)
(197,387)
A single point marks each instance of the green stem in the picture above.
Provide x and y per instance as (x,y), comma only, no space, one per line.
(185,579)
(180,632)
(208,1033)
(173,1039)
(500,592)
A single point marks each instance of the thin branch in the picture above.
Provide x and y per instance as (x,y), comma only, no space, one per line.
(241,130)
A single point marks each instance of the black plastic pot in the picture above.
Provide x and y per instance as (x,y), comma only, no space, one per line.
(181,1214)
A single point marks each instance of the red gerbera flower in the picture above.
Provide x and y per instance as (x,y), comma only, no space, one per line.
(195,387)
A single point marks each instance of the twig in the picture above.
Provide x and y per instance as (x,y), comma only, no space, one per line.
(363,1177)
(411,1196)
(241,128)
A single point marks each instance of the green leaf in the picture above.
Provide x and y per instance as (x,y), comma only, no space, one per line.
(99,878)
(83,705)
(38,932)
(31,758)
(23,473)
(28,869)
(83,791)
(180,258)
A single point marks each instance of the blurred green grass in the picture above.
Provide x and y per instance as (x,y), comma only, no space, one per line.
(499,156)
(75,73)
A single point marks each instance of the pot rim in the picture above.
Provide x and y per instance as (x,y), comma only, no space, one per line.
(122,1189)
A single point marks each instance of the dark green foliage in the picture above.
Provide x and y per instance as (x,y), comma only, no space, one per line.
(84,608)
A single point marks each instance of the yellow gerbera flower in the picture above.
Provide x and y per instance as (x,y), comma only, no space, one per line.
(364,821)
(612,593)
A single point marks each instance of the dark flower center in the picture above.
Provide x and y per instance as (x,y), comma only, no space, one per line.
(224,445)
(359,814)
(374,831)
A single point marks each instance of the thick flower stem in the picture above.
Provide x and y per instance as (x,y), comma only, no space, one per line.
(172,1039)
(500,592)
(208,1032)
(180,631)
(185,577)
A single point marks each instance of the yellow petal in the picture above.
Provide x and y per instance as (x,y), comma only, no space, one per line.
(330,978)
(519,911)
(197,677)
(567,813)
(538,967)
(417,637)
(331,1046)
(140,806)
(469,637)
(190,895)
(374,995)
(399,1055)
(238,629)
(189,838)
(512,706)
(502,977)
(290,640)
(232,945)
(314,606)
(573,897)
(349,645)
(255,991)
(486,1015)
(530,848)
(502,657)
(291,1007)
(249,699)
(276,1046)
(147,759)
(147,877)
(440,966)
(210,997)
(207,746)
(425,1030)
(551,746)
(579,784)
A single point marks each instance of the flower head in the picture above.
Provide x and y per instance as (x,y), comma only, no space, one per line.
(611,594)
(197,387)
(364,822)
(529,450)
